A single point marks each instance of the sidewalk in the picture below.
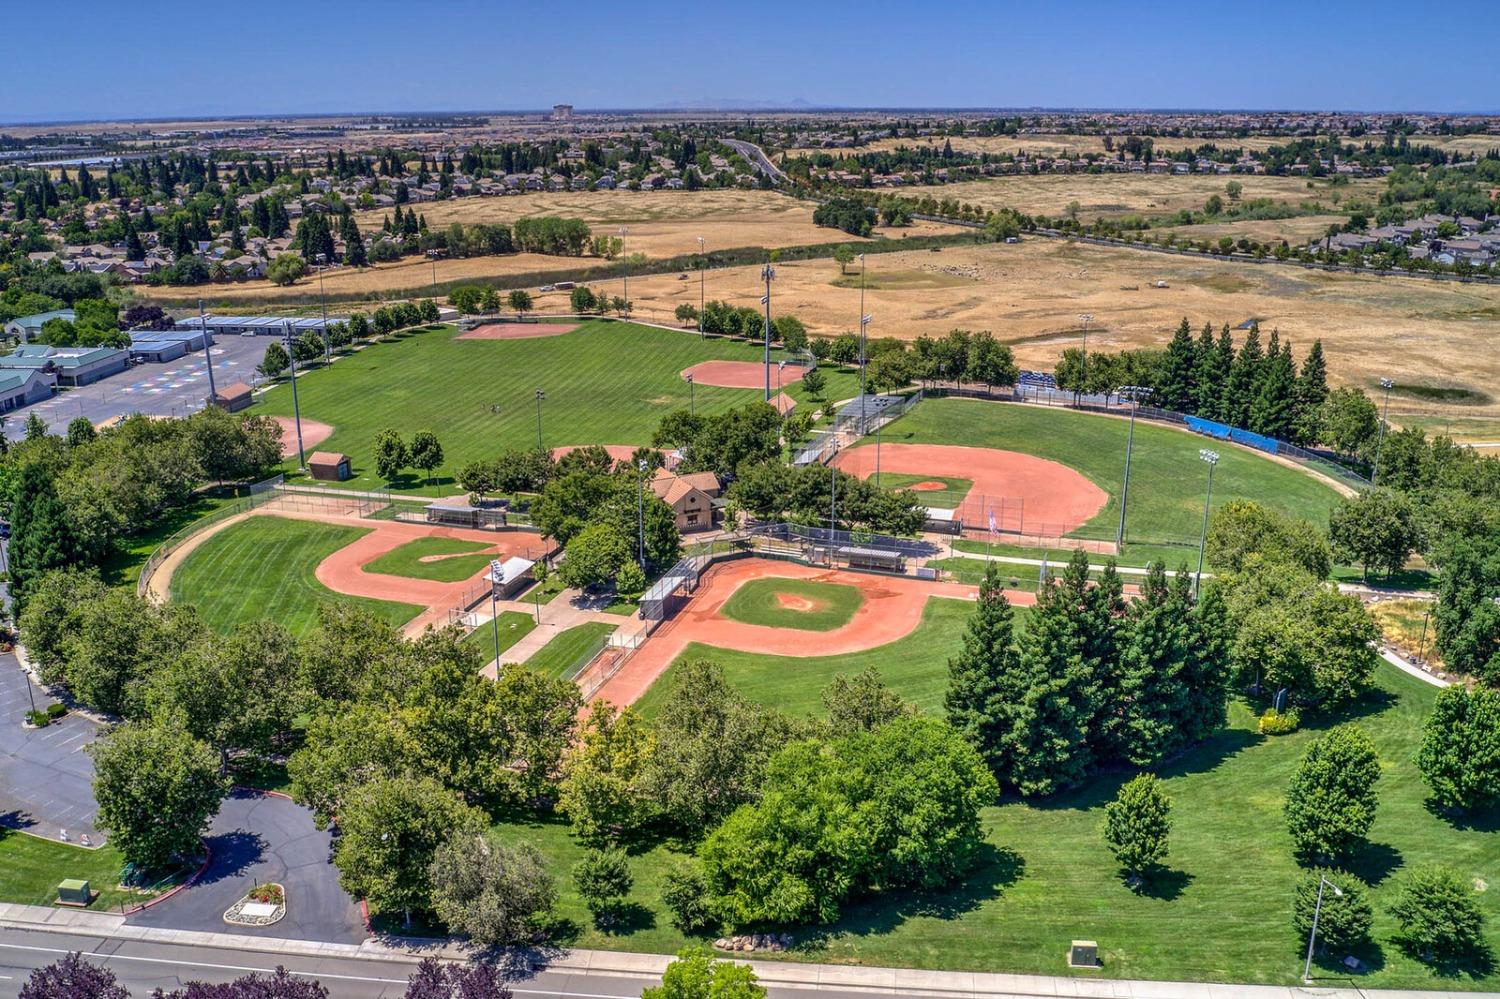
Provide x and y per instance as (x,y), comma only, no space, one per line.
(893,981)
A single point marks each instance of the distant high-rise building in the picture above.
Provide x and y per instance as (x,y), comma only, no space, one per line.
(562,112)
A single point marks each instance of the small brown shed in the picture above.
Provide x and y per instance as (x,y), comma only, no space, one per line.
(233,398)
(330,466)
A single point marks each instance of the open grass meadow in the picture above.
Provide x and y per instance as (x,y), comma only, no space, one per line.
(262,567)
(605,383)
(447,560)
(571,648)
(1167,478)
(805,604)
(31,867)
(513,626)
(1221,912)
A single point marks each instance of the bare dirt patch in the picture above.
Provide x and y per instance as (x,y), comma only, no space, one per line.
(313,434)
(739,374)
(516,331)
(930,486)
(801,604)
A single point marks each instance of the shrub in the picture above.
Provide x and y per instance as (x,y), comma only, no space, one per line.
(271,894)
(1346,917)
(38,719)
(1275,722)
(603,879)
(1460,753)
(56,710)
(1136,824)
(1436,916)
(685,894)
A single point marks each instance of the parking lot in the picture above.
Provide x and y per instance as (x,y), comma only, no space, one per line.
(46,778)
(173,389)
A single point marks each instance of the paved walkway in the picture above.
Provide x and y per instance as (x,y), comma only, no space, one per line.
(46,778)
(567,610)
(67,925)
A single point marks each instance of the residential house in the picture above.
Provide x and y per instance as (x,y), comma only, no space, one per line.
(691,497)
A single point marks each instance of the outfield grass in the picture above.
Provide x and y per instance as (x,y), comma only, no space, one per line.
(758,601)
(1221,913)
(459,563)
(122,566)
(605,383)
(514,626)
(915,666)
(262,567)
(570,648)
(31,867)
(948,498)
(1167,479)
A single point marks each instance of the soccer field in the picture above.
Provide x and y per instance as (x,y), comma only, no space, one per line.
(605,383)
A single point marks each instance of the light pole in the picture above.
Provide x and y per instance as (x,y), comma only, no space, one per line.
(702,284)
(864,329)
(208,361)
(833,492)
(780,368)
(432,256)
(767,274)
(1212,457)
(640,509)
(495,607)
(1317,911)
(625,264)
(1084,375)
(291,354)
(540,395)
(1385,412)
(1136,391)
(323,305)
(692,396)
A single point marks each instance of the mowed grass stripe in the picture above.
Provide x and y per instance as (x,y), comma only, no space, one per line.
(759,601)
(459,564)
(1167,478)
(263,567)
(605,383)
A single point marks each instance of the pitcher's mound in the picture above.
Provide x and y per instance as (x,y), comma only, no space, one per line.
(930,486)
(516,331)
(741,374)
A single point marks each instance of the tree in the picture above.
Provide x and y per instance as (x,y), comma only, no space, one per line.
(862,703)
(157,787)
(1467,616)
(1242,528)
(1137,823)
(43,536)
(1377,528)
(603,880)
(1177,387)
(1312,393)
(987,685)
(390,454)
(1345,919)
(71,977)
(286,269)
(80,431)
(53,614)
(1349,422)
(275,360)
(1330,802)
(697,975)
(436,979)
(492,893)
(519,301)
(593,557)
(843,255)
(602,788)
(686,313)
(1154,670)
(426,453)
(1436,916)
(1244,381)
(582,300)
(1460,752)
(814,382)
(280,984)
(390,832)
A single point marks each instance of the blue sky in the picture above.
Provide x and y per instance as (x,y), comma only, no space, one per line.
(93,59)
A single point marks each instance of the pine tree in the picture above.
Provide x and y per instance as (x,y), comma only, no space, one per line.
(1103,611)
(1177,388)
(134,249)
(986,684)
(1207,380)
(354,243)
(1207,661)
(1274,412)
(1244,377)
(42,535)
(1312,390)
(1152,656)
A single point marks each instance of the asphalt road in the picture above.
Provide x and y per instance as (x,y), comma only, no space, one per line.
(46,778)
(142,967)
(173,389)
(757,158)
(256,839)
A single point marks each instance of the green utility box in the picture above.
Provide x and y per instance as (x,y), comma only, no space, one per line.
(74,892)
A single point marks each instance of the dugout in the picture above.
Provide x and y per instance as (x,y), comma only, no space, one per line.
(460,514)
(879,559)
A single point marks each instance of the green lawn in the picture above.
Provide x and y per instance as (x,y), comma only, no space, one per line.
(30,869)
(571,648)
(605,383)
(948,498)
(1222,912)
(916,666)
(122,567)
(761,601)
(458,563)
(262,567)
(1167,479)
(514,626)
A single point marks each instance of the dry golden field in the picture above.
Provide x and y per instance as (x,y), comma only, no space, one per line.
(1030,294)
(1296,231)
(1074,145)
(1116,194)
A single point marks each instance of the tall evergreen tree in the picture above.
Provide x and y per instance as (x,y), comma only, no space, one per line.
(986,684)
(1207,380)
(1312,391)
(1274,411)
(1207,662)
(1154,696)
(354,243)
(42,535)
(1244,377)
(1177,387)
(134,249)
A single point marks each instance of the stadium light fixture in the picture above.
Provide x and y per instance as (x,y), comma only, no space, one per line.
(1135,392)
(1385,414)
(1211,457)
(540,395)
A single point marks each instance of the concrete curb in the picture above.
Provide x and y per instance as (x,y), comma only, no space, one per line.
(895,981)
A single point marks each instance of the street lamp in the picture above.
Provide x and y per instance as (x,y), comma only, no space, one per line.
(1136,391)
(1385,413)
(540,395)
(640,509)
(1083,377)
(625,264)
(323,304)
(1212,458)
(702,284)
(1317,911)
(692,404)
(291,353)
(768,273)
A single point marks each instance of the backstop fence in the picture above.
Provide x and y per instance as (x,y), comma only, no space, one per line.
(864,416)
